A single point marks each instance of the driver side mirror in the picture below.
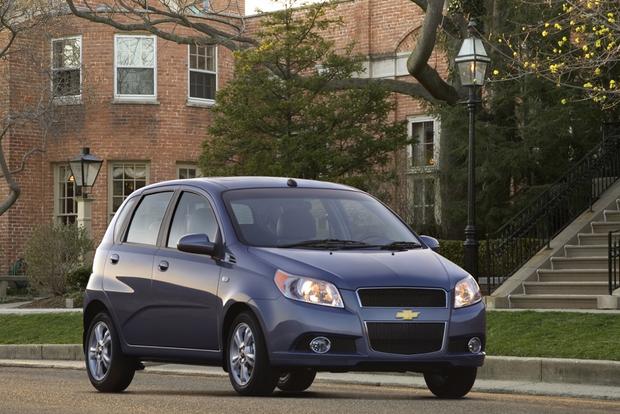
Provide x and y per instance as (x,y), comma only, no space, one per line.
(431,242)
(196,243)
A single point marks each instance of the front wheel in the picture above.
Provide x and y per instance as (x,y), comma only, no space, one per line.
(108,369)
(451,383)
(247,361)
(297,380)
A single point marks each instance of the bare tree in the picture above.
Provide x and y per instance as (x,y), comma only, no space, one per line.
(18,17)
(227,27)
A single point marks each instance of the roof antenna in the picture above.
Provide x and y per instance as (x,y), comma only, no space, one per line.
(291,183)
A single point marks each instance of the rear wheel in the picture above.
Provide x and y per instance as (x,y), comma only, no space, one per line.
(247,361)
(108,369)
(451,383)
(296,380)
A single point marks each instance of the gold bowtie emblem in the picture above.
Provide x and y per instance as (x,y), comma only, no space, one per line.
(407,315)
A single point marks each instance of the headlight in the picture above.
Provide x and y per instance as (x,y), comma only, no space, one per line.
(466,292)
(308,290)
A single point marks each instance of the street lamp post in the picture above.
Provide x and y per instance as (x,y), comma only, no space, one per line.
(85,169)
(472,61)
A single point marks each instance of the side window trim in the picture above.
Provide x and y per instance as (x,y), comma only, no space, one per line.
(130,204)
(135,209)
(219,238)
(162,237)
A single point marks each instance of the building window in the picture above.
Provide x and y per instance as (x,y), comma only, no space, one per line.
(423,135)
(66,67)
(200,7)
(202,72)
(125,178)
(135,66)
(423,203)
(185,171)
(65,194)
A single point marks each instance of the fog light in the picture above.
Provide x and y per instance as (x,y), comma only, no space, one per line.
(474,345)
(320,345)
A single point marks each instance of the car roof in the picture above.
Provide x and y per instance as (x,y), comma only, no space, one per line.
(221,184)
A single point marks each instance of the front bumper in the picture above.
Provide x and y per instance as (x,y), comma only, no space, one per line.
(286,321)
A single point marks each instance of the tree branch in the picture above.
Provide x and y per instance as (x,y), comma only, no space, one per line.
(423,4)
(213,34)
(417,63)
(14,189)
(414,90)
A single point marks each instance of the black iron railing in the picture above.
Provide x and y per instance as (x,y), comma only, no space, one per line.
(521,237)
(613,253)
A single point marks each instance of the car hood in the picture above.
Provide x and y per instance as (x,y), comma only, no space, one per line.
(352,269)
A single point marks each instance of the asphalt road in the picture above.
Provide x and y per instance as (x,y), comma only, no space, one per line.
(29,390)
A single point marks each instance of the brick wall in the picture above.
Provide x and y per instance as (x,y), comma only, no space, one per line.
(164,133)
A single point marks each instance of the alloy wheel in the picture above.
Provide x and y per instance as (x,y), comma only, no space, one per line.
(99,351)
(242,354)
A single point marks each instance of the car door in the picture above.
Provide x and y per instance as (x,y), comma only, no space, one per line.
(184,292)
(130,267)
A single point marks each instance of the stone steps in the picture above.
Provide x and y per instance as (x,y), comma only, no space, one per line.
(591,262)
(565,288)
(604,226)
(589,239)
(553,301)
(579,279)
(612,215)
(586,251)
(573,275)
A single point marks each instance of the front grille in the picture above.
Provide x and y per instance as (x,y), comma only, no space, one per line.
(402,298)
(405,338)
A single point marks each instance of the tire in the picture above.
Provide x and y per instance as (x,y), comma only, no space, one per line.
(245,339)
(451,383)
(108,369)
(297,380)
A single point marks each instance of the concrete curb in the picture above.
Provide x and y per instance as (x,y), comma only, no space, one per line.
(54,352)
(543,370)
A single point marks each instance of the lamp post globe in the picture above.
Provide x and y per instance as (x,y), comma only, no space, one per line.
(85,169)
(472,62)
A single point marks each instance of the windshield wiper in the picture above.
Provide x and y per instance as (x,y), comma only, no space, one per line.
(401,245)
(327,243)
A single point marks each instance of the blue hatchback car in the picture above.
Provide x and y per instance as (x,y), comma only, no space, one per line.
(274,279)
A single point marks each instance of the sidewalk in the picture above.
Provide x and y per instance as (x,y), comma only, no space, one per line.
(368,379)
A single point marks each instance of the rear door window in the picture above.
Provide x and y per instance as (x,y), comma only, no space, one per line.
(144,226)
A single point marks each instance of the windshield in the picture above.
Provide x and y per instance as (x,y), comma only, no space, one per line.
(315,218)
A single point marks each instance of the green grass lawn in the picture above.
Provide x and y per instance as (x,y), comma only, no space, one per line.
(533,334)
(554,335)
(46,328)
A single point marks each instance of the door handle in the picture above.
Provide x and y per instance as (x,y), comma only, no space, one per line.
(163,265)
(114,258)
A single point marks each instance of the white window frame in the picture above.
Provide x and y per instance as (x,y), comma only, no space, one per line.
(57,215)
(188,165)
(192,99)
(417,119)
(425,178)
(111,165)
(124,97)
(69,98)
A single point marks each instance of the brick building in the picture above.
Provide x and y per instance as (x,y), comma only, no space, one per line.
(143,105)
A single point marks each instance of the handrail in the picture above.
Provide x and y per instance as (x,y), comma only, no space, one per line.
(613,255)
(533,227)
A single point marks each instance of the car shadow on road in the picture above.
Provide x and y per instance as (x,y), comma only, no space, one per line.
(308,395)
